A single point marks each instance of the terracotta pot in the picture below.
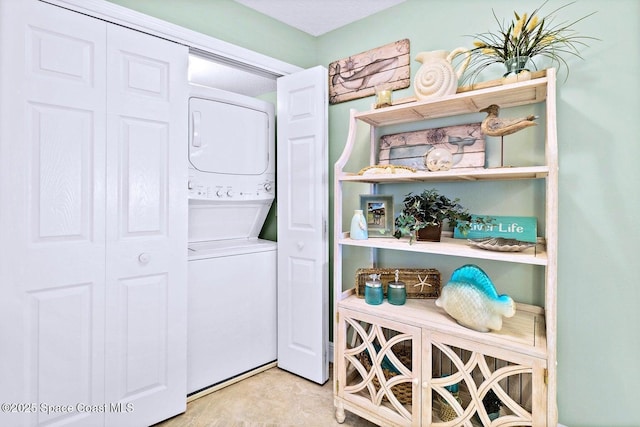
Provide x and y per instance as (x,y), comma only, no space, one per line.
(429,234)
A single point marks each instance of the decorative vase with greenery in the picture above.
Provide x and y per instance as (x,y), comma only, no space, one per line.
(516,43)
(432,209)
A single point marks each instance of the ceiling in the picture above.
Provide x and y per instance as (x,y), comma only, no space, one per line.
(317,17)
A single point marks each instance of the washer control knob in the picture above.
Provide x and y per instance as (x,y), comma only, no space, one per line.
(219,193)
(267,186)
(229,193)
(190,185)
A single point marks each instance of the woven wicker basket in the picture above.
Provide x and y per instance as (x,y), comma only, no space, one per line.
(402,391)
(447,413)
(421,283)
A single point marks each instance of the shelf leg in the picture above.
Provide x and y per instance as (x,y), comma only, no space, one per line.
(340,415)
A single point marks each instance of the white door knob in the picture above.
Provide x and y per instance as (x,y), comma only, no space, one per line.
(300,245)
(144,258)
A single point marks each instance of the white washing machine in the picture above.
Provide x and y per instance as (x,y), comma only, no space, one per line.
(232,310)
(232,295)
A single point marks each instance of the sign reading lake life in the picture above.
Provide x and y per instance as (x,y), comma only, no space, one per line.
(522,228)
(356,76)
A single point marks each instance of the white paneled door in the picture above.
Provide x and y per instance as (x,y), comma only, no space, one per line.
(52,210)
(92,221)
(303,257)
(146,227)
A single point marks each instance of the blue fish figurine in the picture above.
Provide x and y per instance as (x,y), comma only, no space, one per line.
(471,299)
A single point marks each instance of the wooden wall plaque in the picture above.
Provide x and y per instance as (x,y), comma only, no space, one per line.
(466,143)
(356,76)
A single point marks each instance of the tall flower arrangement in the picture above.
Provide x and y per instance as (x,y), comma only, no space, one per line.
(526,36)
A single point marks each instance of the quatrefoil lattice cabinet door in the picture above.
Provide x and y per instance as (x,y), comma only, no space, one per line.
(377,368)
(459,380)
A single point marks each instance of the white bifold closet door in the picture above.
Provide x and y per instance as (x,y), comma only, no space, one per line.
(92,220)
(146,227)
(303,245)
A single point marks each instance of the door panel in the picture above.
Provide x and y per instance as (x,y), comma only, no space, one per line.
(143,339)
(52,177)
(302,215)
(301,271)
(144,177)
(77,65)
(146,227)
(61,358)
(61,198)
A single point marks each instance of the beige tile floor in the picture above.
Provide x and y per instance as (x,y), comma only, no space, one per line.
(273,398)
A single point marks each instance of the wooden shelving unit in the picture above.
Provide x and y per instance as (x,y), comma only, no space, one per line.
(385,353)
(449,246)
(471,174)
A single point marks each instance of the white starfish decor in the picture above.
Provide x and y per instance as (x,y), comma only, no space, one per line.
(422,283)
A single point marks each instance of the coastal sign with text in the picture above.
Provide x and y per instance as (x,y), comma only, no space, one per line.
(522,228)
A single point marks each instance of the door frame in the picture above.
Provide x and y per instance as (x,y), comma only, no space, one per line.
(198,43)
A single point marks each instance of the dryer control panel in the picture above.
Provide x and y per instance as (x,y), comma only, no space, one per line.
(241,188)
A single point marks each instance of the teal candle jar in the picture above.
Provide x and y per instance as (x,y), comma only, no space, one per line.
(397,291)
(373,293)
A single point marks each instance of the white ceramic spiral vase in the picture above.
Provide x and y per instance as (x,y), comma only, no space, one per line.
(436,76)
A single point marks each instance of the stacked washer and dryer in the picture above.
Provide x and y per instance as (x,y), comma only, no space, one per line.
(232,314)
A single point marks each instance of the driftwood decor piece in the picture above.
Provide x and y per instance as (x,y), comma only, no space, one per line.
(356,76)
(465,142)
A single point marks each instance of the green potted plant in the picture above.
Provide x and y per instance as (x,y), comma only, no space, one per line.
(492,405)
(428,211)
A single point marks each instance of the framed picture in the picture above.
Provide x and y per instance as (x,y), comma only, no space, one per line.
(378,212)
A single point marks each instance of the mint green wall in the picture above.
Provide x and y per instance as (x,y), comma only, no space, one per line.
(234,23)
(599,148)
(598,128)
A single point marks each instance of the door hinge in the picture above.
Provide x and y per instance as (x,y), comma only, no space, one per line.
(337,386)
(546,376)
(337,317)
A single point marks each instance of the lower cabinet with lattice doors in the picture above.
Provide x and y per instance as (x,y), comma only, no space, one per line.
(397,373)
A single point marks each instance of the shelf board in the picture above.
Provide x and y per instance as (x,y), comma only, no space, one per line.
(524,332)
(449,246)
(511,95)
(466,174)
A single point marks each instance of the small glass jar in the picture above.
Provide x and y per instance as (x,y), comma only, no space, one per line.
(397,291)
(373,293)
(383,95)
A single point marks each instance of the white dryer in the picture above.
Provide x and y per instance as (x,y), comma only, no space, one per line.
(232,273)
